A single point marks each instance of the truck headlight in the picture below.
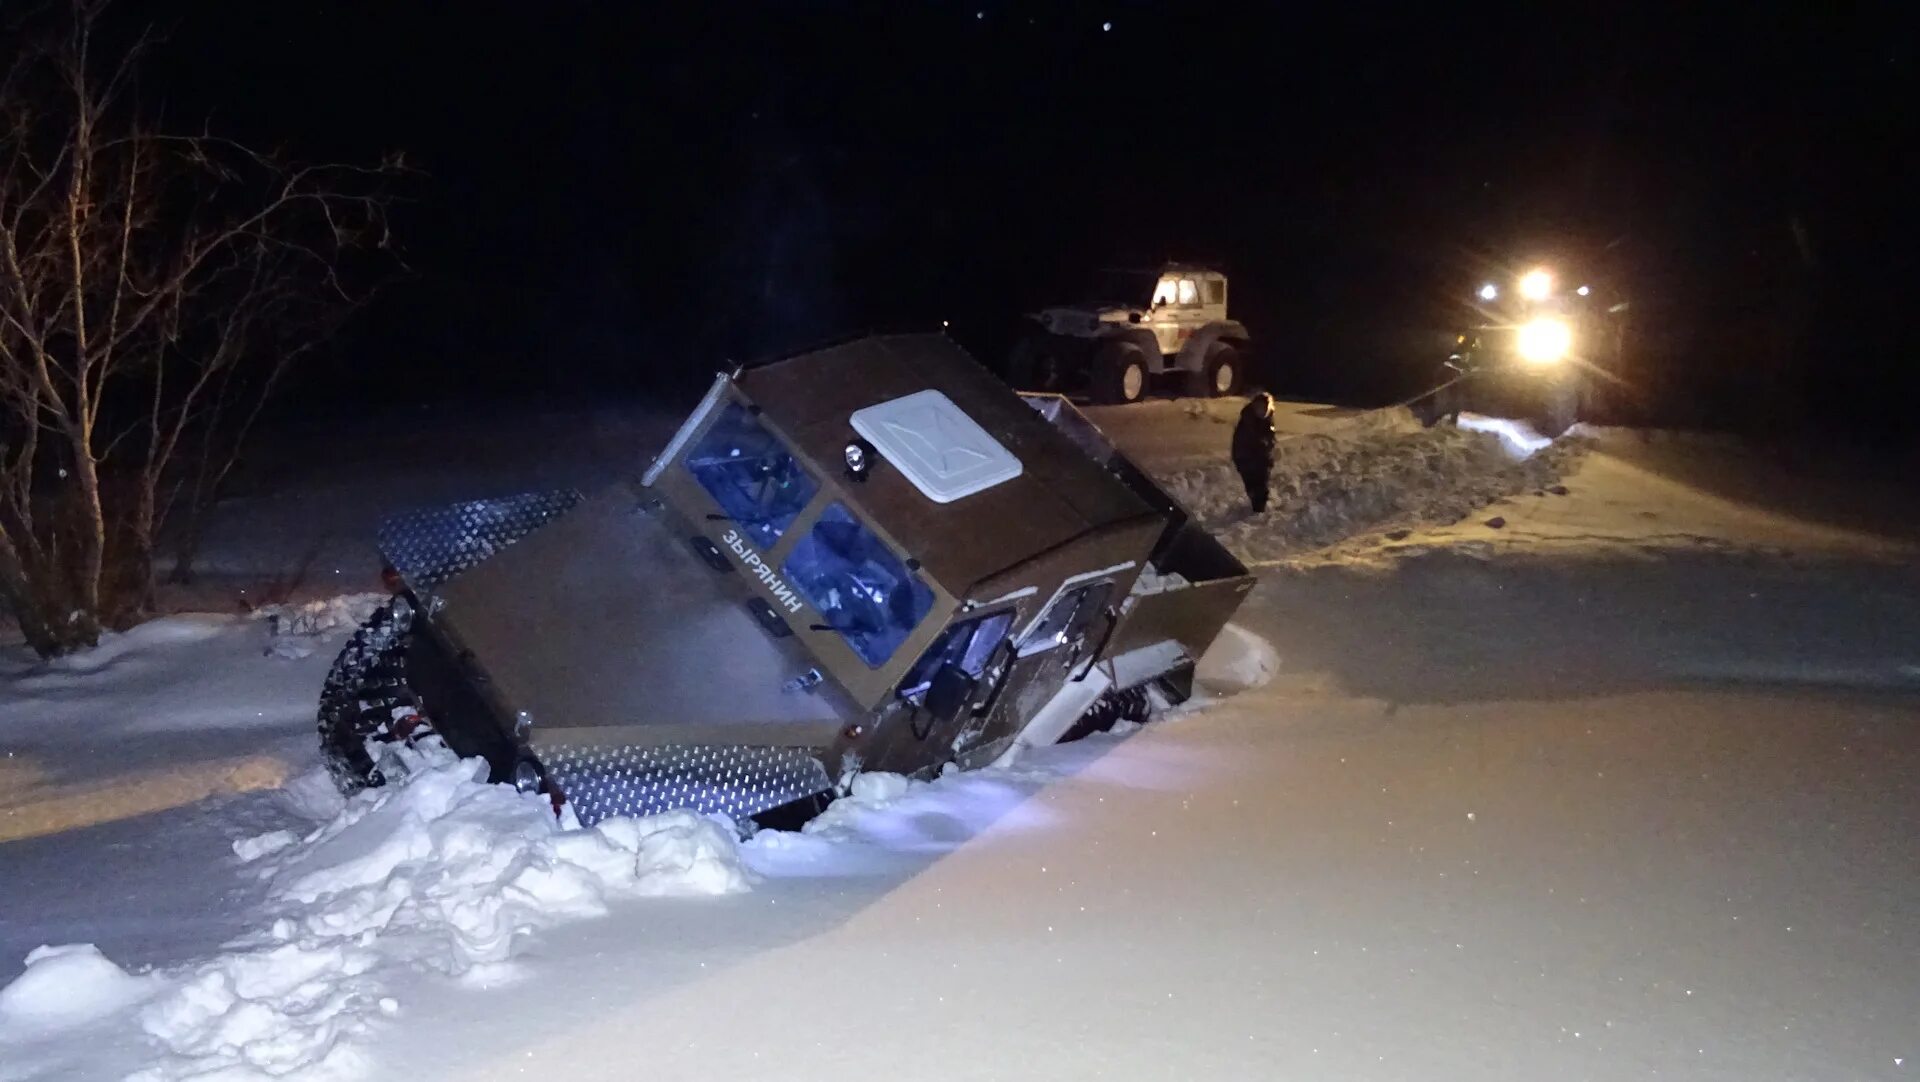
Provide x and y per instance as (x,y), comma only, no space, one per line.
(1545,340)
(1537,285)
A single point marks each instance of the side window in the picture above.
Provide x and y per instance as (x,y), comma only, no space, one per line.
(1216,291)
(860,586)
(751,475)
(1067,617)
(1164,290)
(970,644)
(1189,294)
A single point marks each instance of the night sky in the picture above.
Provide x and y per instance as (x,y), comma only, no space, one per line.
(615,198)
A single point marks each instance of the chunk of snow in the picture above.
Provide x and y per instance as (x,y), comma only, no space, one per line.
(1153,581)
(66,986)
(318,618)
(682,853)
(312,796)
(878,789)
(1237,661)
(870,793)
(263,845)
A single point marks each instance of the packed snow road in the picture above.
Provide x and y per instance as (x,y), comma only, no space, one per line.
(1586,795)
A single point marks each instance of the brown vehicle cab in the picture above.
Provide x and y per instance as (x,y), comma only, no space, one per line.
(869,557)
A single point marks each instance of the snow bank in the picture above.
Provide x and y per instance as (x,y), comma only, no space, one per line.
(1327,488)
(441,872)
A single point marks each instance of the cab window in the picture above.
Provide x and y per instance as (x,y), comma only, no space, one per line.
(1189,294)
(1163,291)
(968,644)
(751,475)
(1216,291)
(861,587)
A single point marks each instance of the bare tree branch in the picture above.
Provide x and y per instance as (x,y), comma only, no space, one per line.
(155,288)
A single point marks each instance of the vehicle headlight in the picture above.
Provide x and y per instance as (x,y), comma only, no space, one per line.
(1489,292)
(1545,340)
(1537,285)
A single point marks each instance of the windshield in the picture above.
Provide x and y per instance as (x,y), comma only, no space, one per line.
(858,584)
(751,475)
(1119,287)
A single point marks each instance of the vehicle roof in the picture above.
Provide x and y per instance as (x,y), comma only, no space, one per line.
(1059,495)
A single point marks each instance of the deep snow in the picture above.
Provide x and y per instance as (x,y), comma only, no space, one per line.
(1377,472)
(1448,814)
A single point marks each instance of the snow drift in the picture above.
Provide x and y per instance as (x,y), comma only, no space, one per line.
(1387,471)
(442,873)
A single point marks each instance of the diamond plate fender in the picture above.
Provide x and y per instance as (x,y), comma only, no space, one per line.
(429,547)
(738,780)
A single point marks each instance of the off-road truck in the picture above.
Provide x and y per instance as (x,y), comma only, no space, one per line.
(1135,329)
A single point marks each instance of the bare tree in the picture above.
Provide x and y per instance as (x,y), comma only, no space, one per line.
(154,289)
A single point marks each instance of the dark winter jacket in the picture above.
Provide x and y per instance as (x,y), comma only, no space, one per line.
(1253,439)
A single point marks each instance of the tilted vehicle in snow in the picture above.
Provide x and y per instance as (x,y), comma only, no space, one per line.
(1136,326)
(1540,349)
(870,557)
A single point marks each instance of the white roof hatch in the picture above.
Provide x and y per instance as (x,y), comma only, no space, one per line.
(936,445)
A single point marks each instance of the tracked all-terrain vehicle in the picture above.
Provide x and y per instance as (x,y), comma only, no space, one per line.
(870,557)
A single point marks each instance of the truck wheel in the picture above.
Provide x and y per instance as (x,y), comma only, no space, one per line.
(1222,372)
(1035,366)
(366,696)
(1120,373)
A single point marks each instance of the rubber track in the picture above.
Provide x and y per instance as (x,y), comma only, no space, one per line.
(1115,706)
(367,684)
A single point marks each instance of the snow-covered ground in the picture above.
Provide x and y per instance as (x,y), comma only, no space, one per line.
(1624,788)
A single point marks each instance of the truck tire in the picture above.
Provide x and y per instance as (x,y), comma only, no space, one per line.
(1120,373)
(366,693)
(1222,372)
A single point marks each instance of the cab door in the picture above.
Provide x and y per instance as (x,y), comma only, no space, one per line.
(955,685)
(1060,645)
(979,683)
(1179,310)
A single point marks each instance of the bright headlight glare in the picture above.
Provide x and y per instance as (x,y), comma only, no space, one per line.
(1545,341)
(1489,292)
(1536,285)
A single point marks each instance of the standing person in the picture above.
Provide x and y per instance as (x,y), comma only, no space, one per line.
(1253,441)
